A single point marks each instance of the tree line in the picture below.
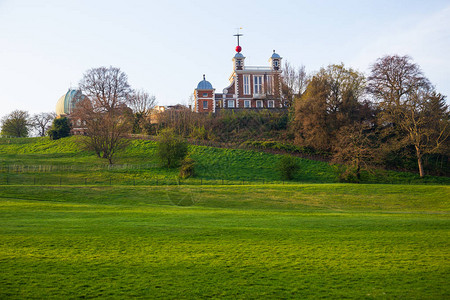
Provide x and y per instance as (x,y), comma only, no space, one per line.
(362,121)
(383,119)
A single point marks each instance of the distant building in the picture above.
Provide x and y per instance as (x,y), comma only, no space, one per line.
(170,112)
(67,103)
(251,87)
(66,106)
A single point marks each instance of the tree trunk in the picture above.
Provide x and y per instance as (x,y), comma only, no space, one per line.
(420,163)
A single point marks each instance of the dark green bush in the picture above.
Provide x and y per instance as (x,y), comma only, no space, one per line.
(172,149)
(60,128)
(288,167)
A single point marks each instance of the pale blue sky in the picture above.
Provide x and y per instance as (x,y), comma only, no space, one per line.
(166,46)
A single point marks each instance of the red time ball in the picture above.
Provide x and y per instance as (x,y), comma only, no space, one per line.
(238,48)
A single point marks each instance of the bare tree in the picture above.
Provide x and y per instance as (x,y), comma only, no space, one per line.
(302,80)
(105,115)
(180,118)
(427,129)
(409,106)
(42,122)
(394,78)
(294,82)
(141,104)
(355,146)
(107,88)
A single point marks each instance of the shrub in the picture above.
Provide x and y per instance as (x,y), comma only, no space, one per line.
(346,174)
(187,168)
(288,167)
(200,133)
(172,149)
(60,128)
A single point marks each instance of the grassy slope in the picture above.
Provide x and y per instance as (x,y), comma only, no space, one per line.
(76,166)
(298,241)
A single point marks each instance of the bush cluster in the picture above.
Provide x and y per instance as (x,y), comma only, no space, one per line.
(288,167)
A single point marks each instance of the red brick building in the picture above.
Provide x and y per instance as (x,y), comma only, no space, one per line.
(251,87)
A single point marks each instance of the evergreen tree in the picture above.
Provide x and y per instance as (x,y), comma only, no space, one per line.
(60,128)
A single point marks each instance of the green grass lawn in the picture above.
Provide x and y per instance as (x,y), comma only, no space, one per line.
(236,241)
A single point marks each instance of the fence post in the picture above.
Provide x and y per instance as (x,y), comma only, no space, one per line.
(85,181)
(222,181)
(34,180)
(201,181)
(109,180)
(60,180)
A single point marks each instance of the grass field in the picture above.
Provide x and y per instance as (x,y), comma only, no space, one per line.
(248,241)
(72,226)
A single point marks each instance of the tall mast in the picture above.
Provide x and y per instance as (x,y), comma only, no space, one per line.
(238,48)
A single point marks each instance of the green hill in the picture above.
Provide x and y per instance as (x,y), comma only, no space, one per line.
(42,161)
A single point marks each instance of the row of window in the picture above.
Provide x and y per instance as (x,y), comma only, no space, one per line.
(247,104)
(258,84)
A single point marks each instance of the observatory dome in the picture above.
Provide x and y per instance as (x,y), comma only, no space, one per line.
(204,85)
(66,104)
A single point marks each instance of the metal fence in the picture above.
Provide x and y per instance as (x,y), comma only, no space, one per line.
(121,179)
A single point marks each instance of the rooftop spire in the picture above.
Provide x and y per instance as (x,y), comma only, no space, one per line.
(238,48)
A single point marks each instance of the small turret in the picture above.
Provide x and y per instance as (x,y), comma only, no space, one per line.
(275,61)
(238,61)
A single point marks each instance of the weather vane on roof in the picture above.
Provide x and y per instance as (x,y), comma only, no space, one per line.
(238,48)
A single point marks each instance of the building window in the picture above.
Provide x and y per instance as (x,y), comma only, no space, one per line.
(275,63)
(257,84)
(259,104)
(205,94)
(271,104)
(270,85)
(205,104)
(231,103)
(246,84)
(246,103)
